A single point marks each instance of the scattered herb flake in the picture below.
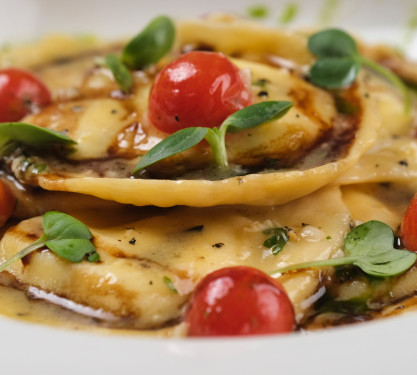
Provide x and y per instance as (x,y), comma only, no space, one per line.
(168,282)
(277,241)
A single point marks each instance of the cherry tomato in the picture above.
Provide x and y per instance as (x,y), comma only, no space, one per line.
(20,94)
(197,89)
(7,203)
(409,226)
(239,301)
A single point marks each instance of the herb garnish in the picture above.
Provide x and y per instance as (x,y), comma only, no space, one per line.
(146,48)
(31,135)
(120,72)
(184,139)
(151,44)
(277,241)
(338,63)
(168,282)
(370,247)
(65,236)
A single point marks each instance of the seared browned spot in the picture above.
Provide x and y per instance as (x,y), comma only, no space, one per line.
(346,126)
(144,262)
(303,100)
(95,288)
(127,142)
(24,235)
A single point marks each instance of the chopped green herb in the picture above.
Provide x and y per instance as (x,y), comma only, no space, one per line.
(260,82)
(289,13)
(258,11)
(370,246)
(65,236)
(277,241)
(168,282)
(339,61)
(184,139)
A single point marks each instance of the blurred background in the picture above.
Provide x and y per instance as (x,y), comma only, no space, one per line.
(378,20)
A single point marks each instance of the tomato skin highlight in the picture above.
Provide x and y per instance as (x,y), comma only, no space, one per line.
(7,203)
(239,301)
(198,89)
(408,231)
(21,93)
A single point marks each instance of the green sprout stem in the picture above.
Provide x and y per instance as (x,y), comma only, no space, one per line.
(316,264)
(217,140)
(386,73)
(22,253)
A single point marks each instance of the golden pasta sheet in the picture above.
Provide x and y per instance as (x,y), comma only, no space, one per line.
(128,288)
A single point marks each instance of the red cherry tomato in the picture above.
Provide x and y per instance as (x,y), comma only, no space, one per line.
(197,89)
(7,203)
(409,226)
(239,301)
(20,94)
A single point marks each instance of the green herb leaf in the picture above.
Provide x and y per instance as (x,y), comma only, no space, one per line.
(74,250)
(31,135)
(184,139)
(151,44)
(369,247)
(339,62)
(332,43)
(255,115)
(168,282)
(120,72)
(372,245)
(64,235)
(276,242)
(174,144)
(59,226)
(333,72)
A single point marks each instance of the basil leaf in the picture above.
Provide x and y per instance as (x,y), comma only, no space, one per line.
(31,135)
(276,242)
(64,235)
(332,43)
(74,250)
(120,72)
(151,44)
(174,144)
(255,115)
(333,73)
(58,226)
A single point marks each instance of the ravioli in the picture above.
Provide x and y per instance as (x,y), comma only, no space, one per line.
(335,160)
(127,287)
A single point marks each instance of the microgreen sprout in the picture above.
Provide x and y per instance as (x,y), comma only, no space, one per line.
(339,61)
(369,246)
(65,236)
(184,139)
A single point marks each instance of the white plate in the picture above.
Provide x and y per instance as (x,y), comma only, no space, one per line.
(383,347)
